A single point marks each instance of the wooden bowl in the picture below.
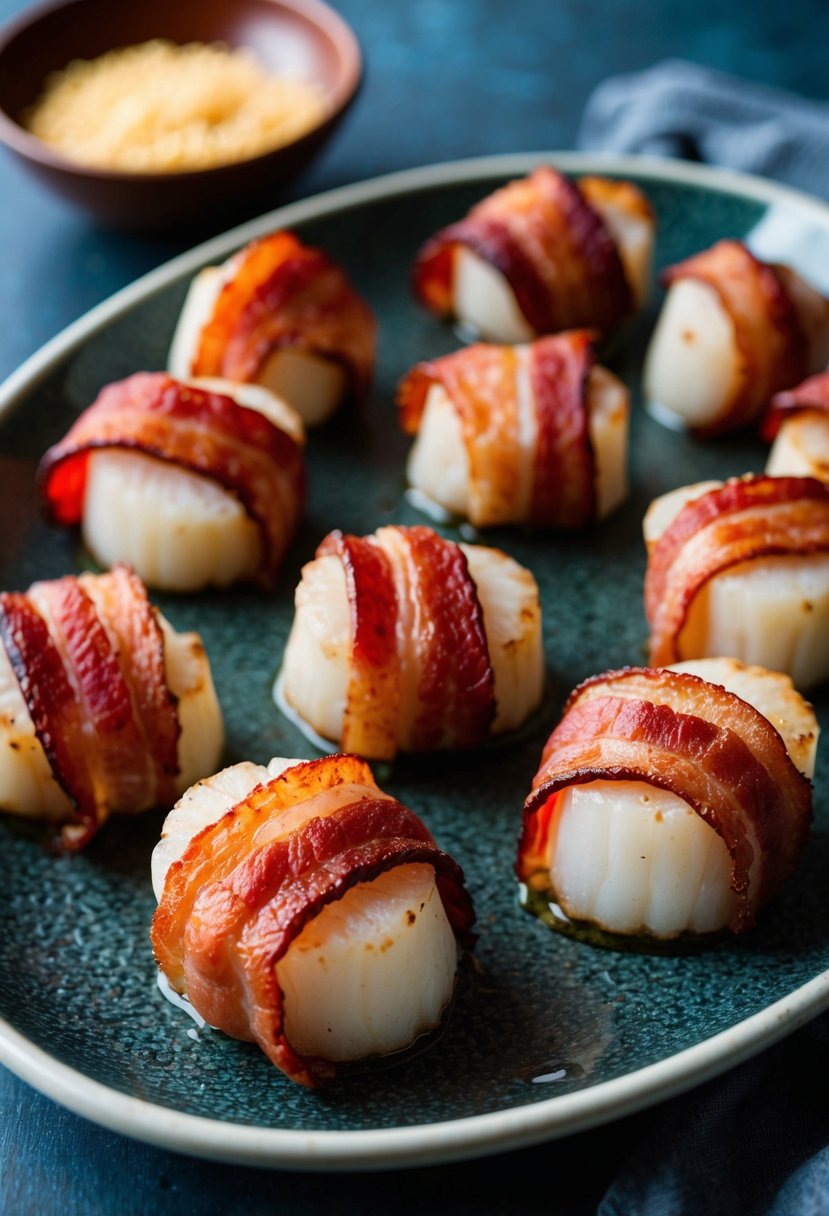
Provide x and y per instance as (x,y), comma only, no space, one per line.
(305,36)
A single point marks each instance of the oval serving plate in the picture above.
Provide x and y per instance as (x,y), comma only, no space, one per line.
(548,1036)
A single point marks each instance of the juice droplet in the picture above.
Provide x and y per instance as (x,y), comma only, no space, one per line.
(551,1071)
(180,1002)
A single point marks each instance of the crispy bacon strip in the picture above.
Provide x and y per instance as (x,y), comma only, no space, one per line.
(421,676)
(52,702)
(372,710)
(456,691)
(283,293)
(88,655)
(230,910)
(564,486)
(550,244)
(483,382)
(745,518)
(770,338)
(695,739)
(138,639)
(810,394)
(204,432)
(121,771)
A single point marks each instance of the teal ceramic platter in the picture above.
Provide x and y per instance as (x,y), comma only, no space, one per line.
(548,1036)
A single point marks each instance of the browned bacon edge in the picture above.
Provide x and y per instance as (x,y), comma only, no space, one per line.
(746,518)
(564,490)
(694,739)
(204,432)
(373,703)
(457,685)
(283,293)
(519,229)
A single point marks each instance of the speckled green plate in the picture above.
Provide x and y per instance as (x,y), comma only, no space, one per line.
(548,1036)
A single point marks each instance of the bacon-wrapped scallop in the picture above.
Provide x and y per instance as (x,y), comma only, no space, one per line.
(667,804)
(741,568)
(540,255)
(534,433)
(797,426)
(283,315)
(303,909)
(406,641)
(732,332)
(104,708)
(190,484)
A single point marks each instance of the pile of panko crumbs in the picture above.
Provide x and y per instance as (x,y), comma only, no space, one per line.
(158,107)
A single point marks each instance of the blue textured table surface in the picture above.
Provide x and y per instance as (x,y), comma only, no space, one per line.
(446,79)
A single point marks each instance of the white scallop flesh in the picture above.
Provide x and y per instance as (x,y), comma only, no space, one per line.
(316,666)
(195,313)
(801,447)
(663,510)
(483,301)
(372,971)
(311,384)
(692,365)
(511,608)
(439,466)
(637,860)
(608,405)
(201,727)
(772,611)
(633,233)
(317,659)
(178,530)
(27,786)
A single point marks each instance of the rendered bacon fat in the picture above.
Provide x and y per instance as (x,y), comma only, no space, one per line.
(740,521)
(702,744)
(527,427)
(547,236)
(202,431)
(455,701)
(277,293)
(88,654)
(246,885)
(765,327)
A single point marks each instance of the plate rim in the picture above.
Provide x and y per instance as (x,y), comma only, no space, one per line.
(474,1135)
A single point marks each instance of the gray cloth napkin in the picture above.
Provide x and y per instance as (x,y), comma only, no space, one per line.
(684,110)
(754,1142)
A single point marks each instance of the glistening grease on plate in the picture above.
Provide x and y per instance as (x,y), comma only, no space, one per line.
(84,1020)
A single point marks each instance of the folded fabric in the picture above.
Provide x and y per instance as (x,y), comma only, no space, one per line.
(684,110)
(754,1142)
